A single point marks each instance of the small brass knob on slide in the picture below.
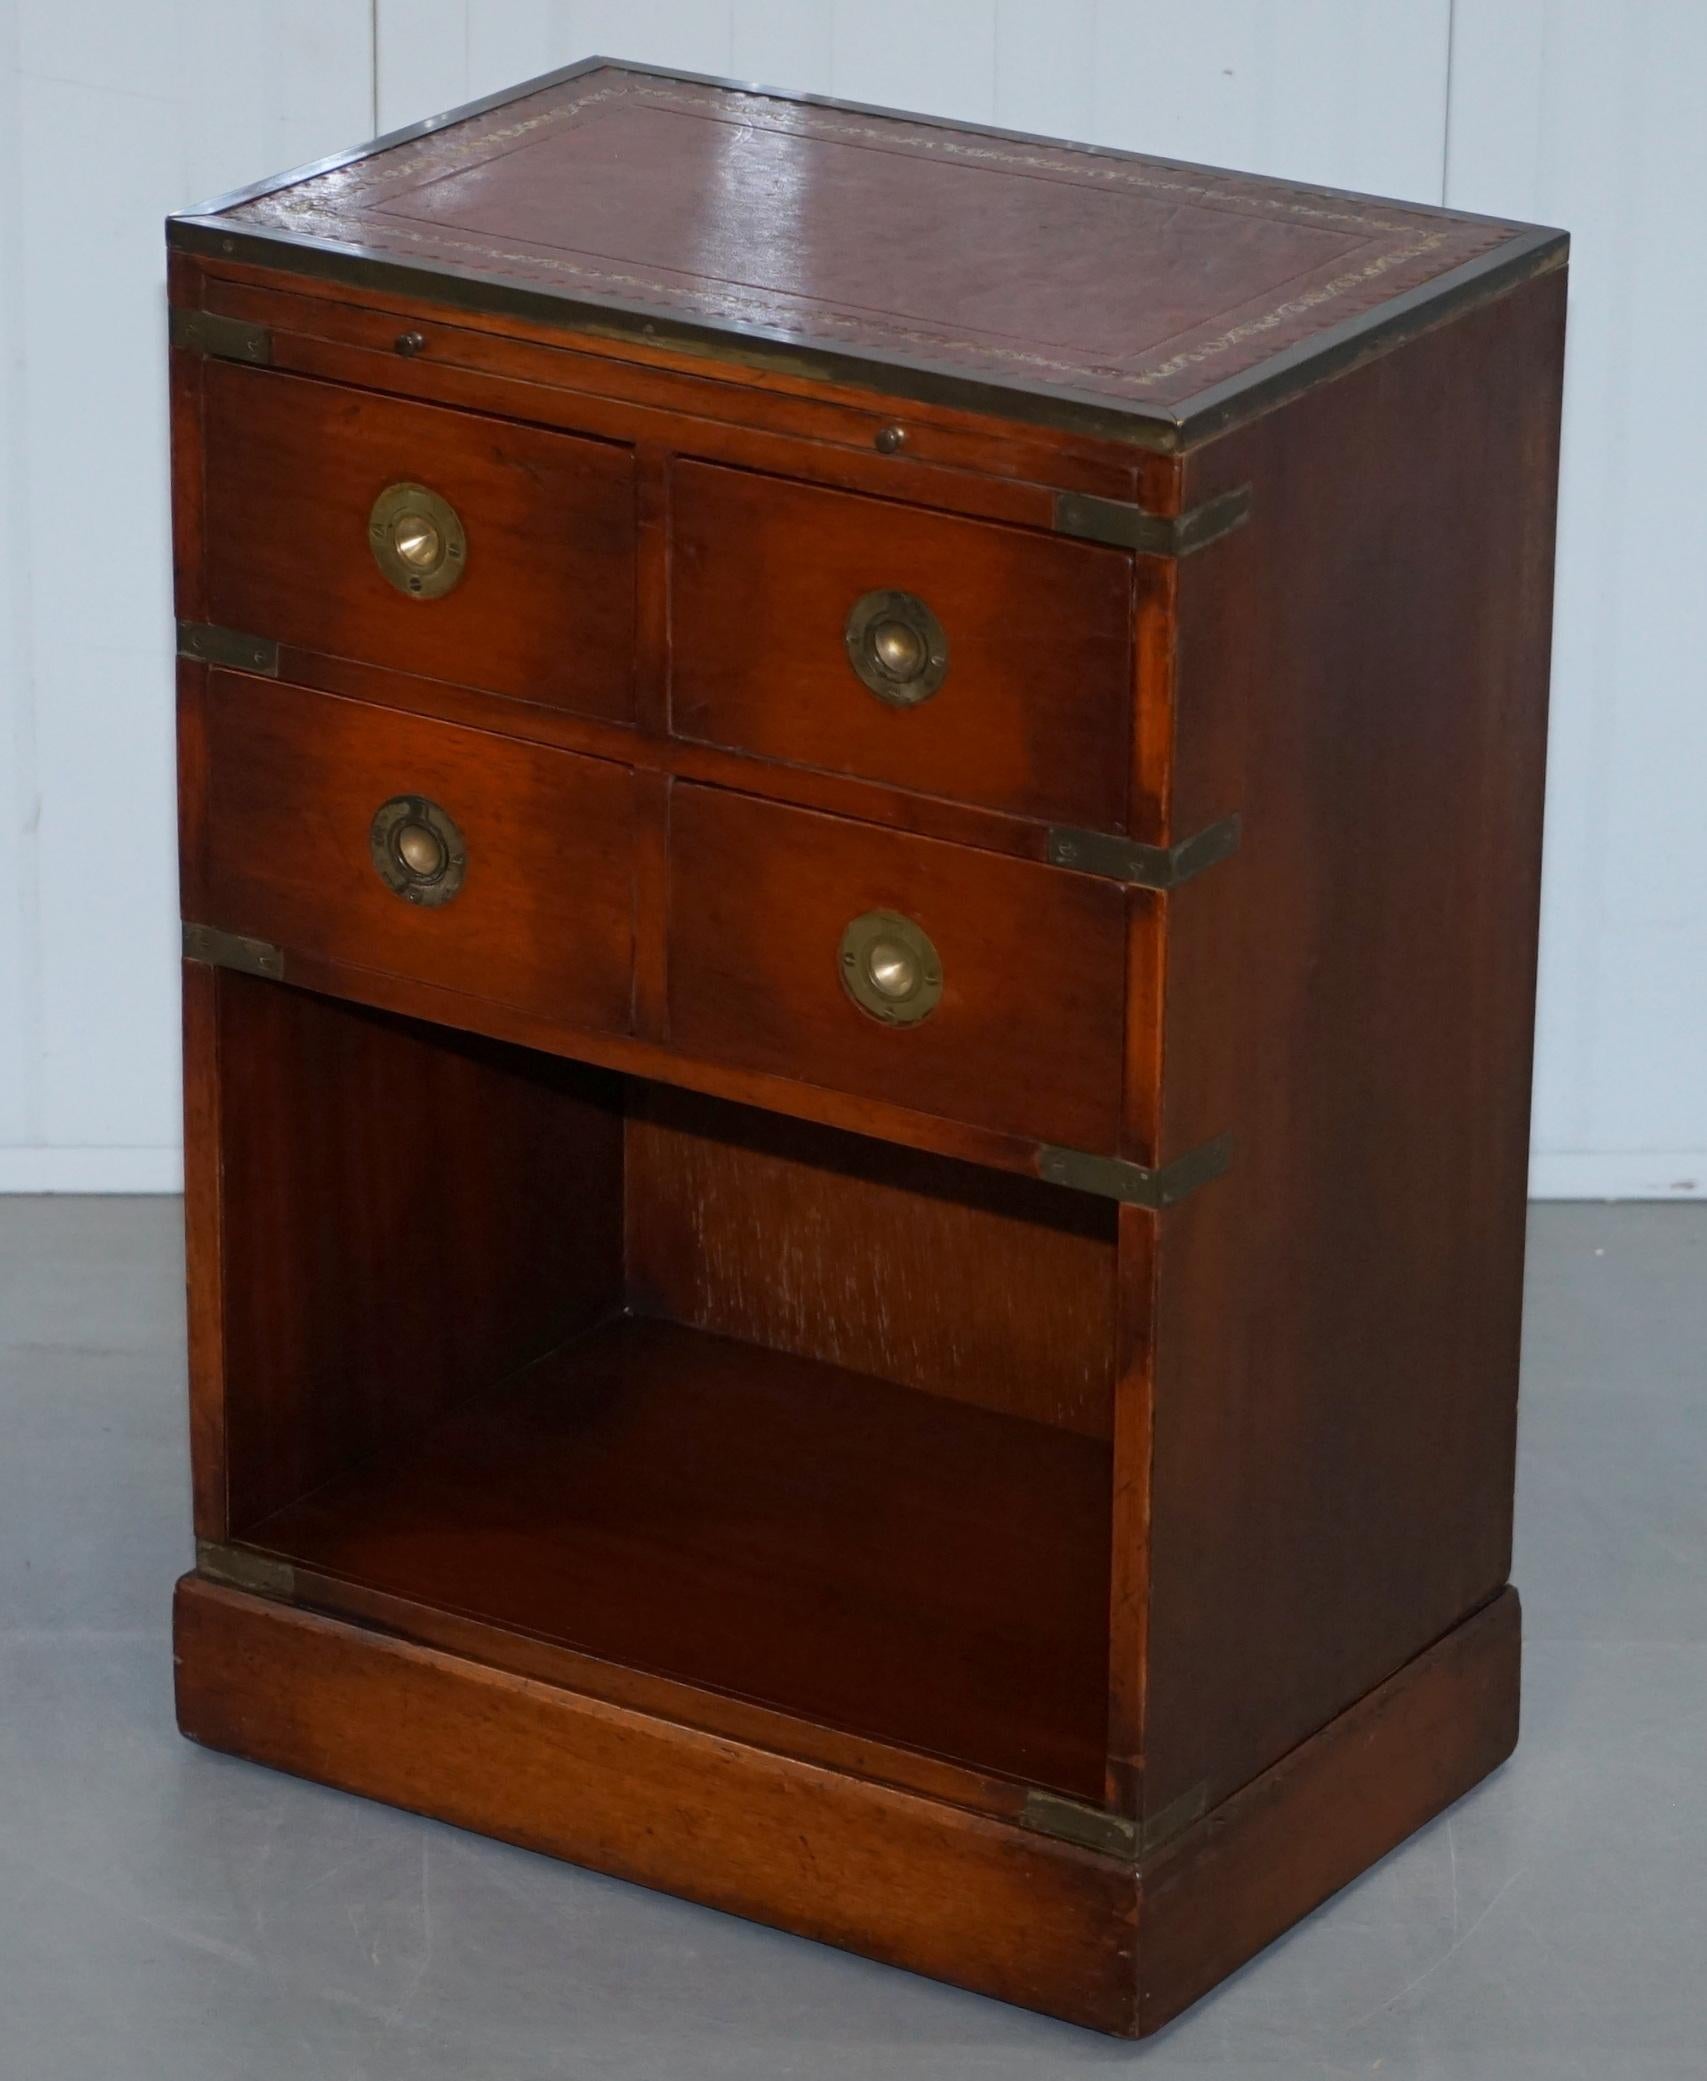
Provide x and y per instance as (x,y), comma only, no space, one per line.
(890,968)
(417,540)
(897,647)
(417,850)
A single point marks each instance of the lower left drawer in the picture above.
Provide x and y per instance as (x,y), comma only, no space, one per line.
(421,849)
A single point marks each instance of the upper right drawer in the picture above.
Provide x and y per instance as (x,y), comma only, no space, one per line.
(959,658)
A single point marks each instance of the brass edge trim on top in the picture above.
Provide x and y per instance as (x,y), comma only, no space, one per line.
(1142,866)
(605,61)
(1111,1177)
(481,293)
(890,376)
(1529,250)
(209,645)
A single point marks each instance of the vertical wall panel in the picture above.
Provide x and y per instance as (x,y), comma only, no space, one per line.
(1589,117)
(1334,91)
(101,648)
(691,34)
(19,1008)
(1046,67)
(118,115)
(433,54)
(781,43)
(939,58)
(420,60)
(503,41)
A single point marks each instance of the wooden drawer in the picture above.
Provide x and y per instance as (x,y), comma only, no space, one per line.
(283,849)
(1033,713)
(542,606)
(1026,1036)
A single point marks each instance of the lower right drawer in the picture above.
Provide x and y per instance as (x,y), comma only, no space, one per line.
(960,983)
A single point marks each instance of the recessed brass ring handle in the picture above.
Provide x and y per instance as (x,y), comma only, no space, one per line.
(890,968)
(897,646)
(417,849)
(417,540)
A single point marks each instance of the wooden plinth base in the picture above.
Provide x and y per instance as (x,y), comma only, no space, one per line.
(985,1904)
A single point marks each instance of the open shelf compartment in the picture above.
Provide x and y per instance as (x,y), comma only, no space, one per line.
(775,1412)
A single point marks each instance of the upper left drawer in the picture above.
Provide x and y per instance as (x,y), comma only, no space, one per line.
(427,540)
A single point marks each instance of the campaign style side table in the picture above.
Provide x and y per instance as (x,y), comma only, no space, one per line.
(861,813)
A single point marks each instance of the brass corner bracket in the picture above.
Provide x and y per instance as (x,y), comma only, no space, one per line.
(216,949)
(1111,1177)
(1142,866)
(215,646)
(227,339)
(1116,1835)
(1072,1821)
(1151,534)
(244,1569)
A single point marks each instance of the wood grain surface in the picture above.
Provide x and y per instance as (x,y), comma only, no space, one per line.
(405,1217)
(761,895)
(544,919)
(545,609)
(894,1563)
(944,1276)
(965,1898)
(1034,712)
(710,1450)
(914,1881)
(1337,1325)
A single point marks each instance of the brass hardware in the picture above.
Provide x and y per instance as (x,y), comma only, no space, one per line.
(199,639)
(417,540)
(228,339)
(890,968)
(1143,866)
(408,343)
(216,949)
(1109,520)
(1112,1178)
(890,440)
(421,850)
(243,1569)
(897,646)
(1117,1835)
(418,850)
(1165,429)
(1069,1820)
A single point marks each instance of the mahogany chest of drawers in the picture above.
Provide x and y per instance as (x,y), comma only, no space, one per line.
(860,827)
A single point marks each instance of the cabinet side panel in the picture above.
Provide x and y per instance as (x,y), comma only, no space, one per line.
(204,1269)
(1364,678)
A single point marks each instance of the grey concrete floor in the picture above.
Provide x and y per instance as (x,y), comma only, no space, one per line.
(171,1915)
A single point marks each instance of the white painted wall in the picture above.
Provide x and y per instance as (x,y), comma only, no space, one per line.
(112,112)
(1568,111)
